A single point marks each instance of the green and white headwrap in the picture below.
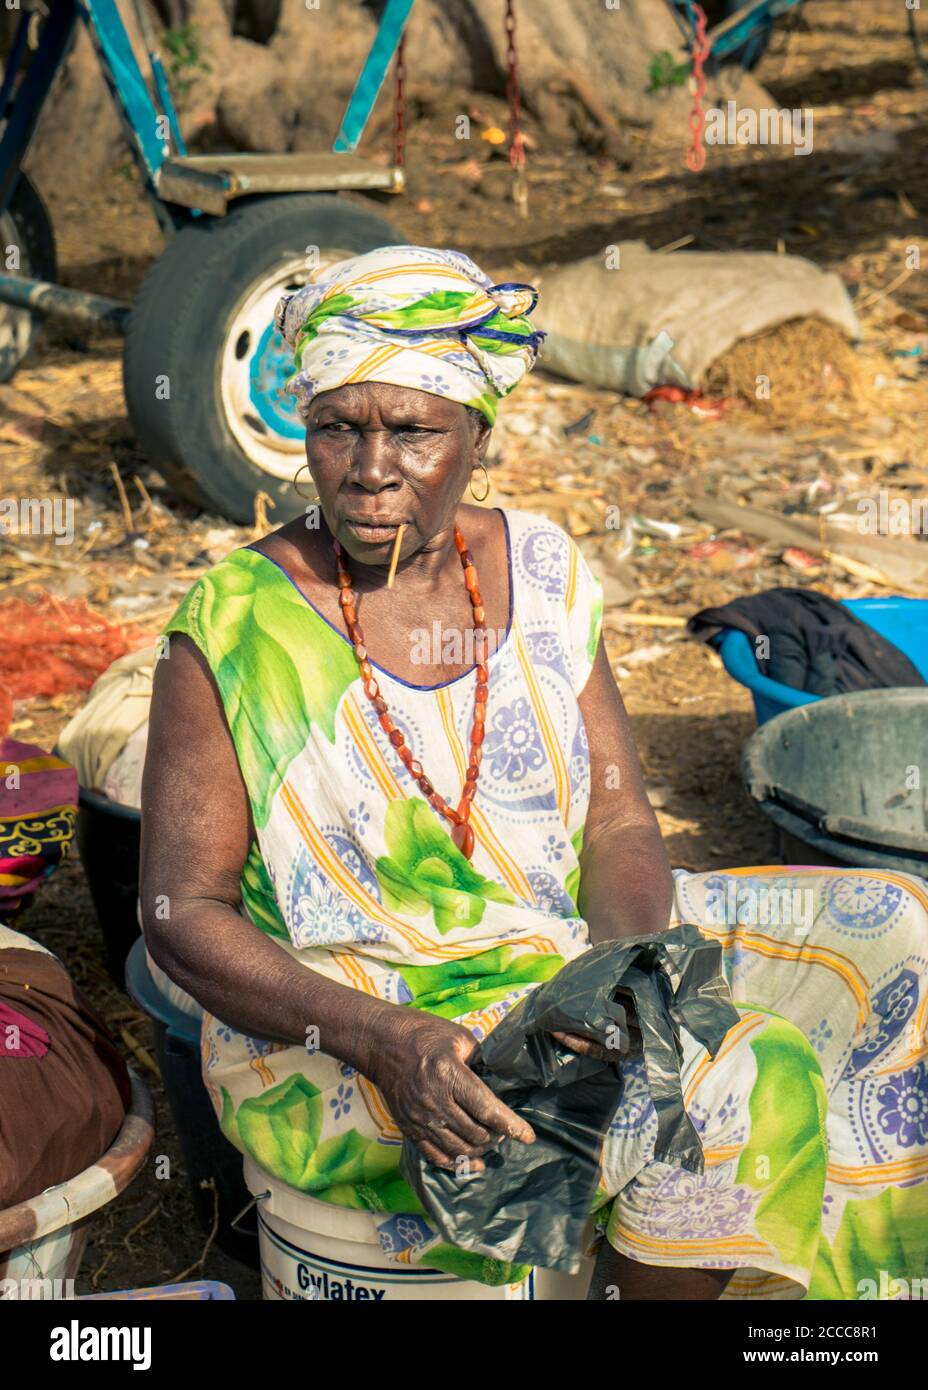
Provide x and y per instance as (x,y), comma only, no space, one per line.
(410,316)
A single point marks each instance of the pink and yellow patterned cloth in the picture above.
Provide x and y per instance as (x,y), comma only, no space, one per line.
(38,813)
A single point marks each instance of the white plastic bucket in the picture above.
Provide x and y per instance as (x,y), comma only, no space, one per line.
(314,1251)
(42,1239)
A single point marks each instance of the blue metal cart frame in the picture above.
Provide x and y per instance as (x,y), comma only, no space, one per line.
(171,178)
(228,431)
(743,35)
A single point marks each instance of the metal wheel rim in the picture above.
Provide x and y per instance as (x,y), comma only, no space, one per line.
(253,370)
(16,325)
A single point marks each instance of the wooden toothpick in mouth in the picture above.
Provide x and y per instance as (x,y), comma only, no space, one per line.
(394,558)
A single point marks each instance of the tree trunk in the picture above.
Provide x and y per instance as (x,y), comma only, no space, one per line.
(275,75)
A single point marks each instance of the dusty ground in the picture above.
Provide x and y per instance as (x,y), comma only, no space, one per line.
(854,205)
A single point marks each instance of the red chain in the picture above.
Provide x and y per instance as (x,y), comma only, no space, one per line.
(513,92)
(696,155)
(399,105)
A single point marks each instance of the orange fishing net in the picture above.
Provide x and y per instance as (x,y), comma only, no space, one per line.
(49,646)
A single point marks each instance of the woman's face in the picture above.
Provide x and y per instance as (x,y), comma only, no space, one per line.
(383,455)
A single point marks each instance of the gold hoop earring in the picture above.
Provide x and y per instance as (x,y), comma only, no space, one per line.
(296,486)
(487,492)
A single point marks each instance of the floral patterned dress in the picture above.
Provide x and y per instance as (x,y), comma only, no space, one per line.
(814,1115)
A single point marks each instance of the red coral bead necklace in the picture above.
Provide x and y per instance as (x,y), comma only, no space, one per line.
(461,831)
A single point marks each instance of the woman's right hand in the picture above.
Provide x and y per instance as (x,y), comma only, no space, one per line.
(420,1064)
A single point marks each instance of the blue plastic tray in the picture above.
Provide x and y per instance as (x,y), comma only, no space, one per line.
(198,1291)
(143,991)
(902,621)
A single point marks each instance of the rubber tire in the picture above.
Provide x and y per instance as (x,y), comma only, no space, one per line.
(178,326)
(36,239)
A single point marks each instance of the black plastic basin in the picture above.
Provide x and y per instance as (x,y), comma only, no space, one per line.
(108,838)
(848,776)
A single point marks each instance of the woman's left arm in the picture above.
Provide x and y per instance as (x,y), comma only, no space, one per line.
(625,882)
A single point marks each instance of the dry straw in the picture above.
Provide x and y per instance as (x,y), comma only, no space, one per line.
(805,362)
(395,557)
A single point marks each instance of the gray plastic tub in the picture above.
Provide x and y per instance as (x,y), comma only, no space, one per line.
(848,776)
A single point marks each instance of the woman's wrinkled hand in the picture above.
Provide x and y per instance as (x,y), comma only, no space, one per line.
(420,1063)
(586,1047)
(627,1040)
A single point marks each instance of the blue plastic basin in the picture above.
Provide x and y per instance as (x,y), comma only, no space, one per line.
(902,621)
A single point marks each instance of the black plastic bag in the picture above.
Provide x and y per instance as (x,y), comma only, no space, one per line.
(531,1204)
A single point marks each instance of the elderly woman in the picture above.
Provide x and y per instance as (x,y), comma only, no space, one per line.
(359,854)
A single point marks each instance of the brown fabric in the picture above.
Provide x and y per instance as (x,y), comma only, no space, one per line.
(58,1113)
